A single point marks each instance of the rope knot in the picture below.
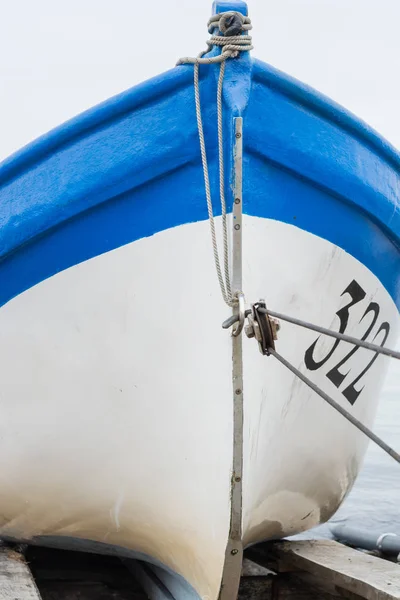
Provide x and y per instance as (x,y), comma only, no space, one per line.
(234,39)
(229,23)
(229,31)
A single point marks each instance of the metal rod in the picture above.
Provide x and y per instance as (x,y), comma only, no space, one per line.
(234,549)
(237,375)
(370,434)
(340,336)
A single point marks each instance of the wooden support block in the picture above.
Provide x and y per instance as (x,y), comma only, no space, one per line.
(255,587)
(293,587)
(259,583)
(252,569)
(335,565)
(16,579)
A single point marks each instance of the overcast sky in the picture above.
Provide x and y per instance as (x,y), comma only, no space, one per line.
(59,57)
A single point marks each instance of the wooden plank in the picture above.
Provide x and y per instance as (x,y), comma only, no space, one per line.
(16,580)
(252,569)
(366,576)
(255,587)
(283,587)
(292,587)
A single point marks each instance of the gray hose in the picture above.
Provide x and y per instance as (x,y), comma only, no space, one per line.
(387,543)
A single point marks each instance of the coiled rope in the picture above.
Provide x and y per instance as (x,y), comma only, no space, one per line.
(234,39)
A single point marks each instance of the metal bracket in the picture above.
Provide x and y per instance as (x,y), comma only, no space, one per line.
(238,327)
(262,327)
(234,550)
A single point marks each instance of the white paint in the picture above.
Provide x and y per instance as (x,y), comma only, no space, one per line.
(116,399)
(301,457)
(107,383)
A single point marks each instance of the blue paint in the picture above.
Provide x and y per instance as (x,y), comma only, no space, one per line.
(220,6)
(131,167)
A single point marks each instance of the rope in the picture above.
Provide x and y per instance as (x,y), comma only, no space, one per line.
(234,27)
(227,23)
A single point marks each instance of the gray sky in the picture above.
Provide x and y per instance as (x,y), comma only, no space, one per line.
(60,57)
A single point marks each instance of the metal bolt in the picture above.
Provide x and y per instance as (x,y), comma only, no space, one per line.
(237,200)
(249,331)
(238,392)
(238,135)
(234,551)
(238,479)
(237,227)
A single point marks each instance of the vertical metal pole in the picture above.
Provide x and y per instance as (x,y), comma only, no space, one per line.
(237,363)
(234,551)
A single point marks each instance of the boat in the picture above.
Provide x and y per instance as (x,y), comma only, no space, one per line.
(132,423)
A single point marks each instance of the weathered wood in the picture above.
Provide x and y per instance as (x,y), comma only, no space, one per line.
(252,569)
(303,571)
(366,576)
(259,583)
(292,587)
(16,580)
(255,587)
(283,587)
(320,587)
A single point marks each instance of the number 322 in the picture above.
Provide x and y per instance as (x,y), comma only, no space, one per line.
(337,377)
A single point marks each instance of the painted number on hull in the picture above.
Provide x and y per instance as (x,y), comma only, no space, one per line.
(336,374)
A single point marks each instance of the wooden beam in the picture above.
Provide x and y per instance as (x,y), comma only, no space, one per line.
(252,569)
(366,576)
(16,579)
(255,588)
(259,583)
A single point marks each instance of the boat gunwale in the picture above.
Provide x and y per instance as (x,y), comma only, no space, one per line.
(146,92)
(104,113)
(327,108)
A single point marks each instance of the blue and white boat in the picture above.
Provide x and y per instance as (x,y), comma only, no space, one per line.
(125,426)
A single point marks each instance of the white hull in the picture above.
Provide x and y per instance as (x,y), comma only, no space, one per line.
(116,416)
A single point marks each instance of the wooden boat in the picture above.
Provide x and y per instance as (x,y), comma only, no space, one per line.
(121,427)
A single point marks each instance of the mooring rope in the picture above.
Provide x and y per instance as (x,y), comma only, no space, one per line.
(234,40)
(232,25)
